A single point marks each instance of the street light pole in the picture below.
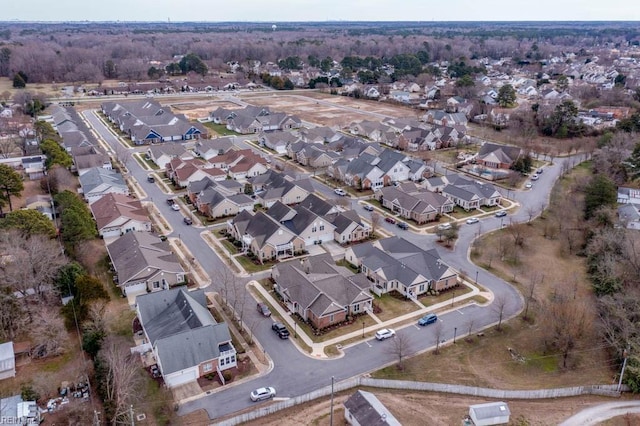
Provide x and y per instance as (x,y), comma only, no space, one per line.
(453,297)
(624,365)
(331,415)
(455,331)
(295,329)
(476,277)
(363,329)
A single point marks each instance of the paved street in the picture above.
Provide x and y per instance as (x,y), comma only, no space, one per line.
(295,373)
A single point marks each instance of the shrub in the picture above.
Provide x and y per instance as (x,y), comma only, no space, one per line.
(227,376)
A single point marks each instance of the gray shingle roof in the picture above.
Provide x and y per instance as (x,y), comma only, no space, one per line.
(181,328)
(98,176)
(135,251)
(368,410)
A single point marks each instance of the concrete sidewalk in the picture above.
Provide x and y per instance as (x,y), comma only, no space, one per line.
(317,349)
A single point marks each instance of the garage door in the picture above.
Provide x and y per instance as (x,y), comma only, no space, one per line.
(135,289)
(180,378)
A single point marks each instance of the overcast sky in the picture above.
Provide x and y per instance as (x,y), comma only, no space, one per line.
(274,11)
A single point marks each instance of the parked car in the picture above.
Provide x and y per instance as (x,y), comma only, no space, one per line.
(385,333)
(280,330)
(528,185)
(263,393)
(444,227)
(428,319)
(188,221)
(368,207)
(155,372)
(540,171)
(341,192)
(534,177)
(472,220)
(402,225)
(264,309)
(501,213)
(390,220)
(175,206)
(171,201)
(150,179)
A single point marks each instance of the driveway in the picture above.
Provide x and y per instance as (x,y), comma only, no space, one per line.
(295,373)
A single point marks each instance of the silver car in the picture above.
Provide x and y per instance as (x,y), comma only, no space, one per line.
(263,393)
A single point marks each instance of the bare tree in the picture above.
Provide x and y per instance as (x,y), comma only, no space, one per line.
(376,219)
(13,318)
(401,347)
(119,376)
(48,333)
(438,333)
(470,324)
(565,323)
(498,306)
(34,263)
(227,282)
(530,288)
(531,212)
(123,156)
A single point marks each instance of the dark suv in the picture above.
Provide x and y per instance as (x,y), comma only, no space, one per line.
(280,330)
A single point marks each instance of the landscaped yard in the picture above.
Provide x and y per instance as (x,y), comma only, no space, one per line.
(251,267)
(147,164)
(393,307)
(445,295)
(221,129)
(460,213)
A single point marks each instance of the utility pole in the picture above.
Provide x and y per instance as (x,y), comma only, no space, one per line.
(96,418)
(331,414)
(625,355)
(133,423)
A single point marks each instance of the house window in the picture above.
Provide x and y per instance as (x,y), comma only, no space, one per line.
(221,361)
(156,284)
(331,318)
(207,367)
(322,227)
(233,358)
(356,308)
(314,229)
(421,288)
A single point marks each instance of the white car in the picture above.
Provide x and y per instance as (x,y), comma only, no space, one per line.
(528,185)
(444,227)
(341,192)
(534,177)
(472,220)
(385,333)
(263,393)
(175,207)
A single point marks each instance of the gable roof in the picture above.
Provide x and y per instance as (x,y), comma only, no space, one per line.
(135,251)
(368,410)
(179,325)
(499,153)
(113,206)
(97,176)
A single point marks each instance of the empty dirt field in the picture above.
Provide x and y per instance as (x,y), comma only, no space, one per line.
(329,110)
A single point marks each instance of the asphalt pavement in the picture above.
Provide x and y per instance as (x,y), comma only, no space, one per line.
(295,373)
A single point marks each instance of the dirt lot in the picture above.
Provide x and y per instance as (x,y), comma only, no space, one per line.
(328,110)
(435,410)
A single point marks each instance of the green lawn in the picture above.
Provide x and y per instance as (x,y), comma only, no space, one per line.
(221,129)
(392,307)
(343,262)
(229,246)
(460,213)
(251,267)
(443,296)
(147,164)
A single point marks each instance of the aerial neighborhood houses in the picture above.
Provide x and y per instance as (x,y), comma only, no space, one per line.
(254,119)
(147,122)
(184,339)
